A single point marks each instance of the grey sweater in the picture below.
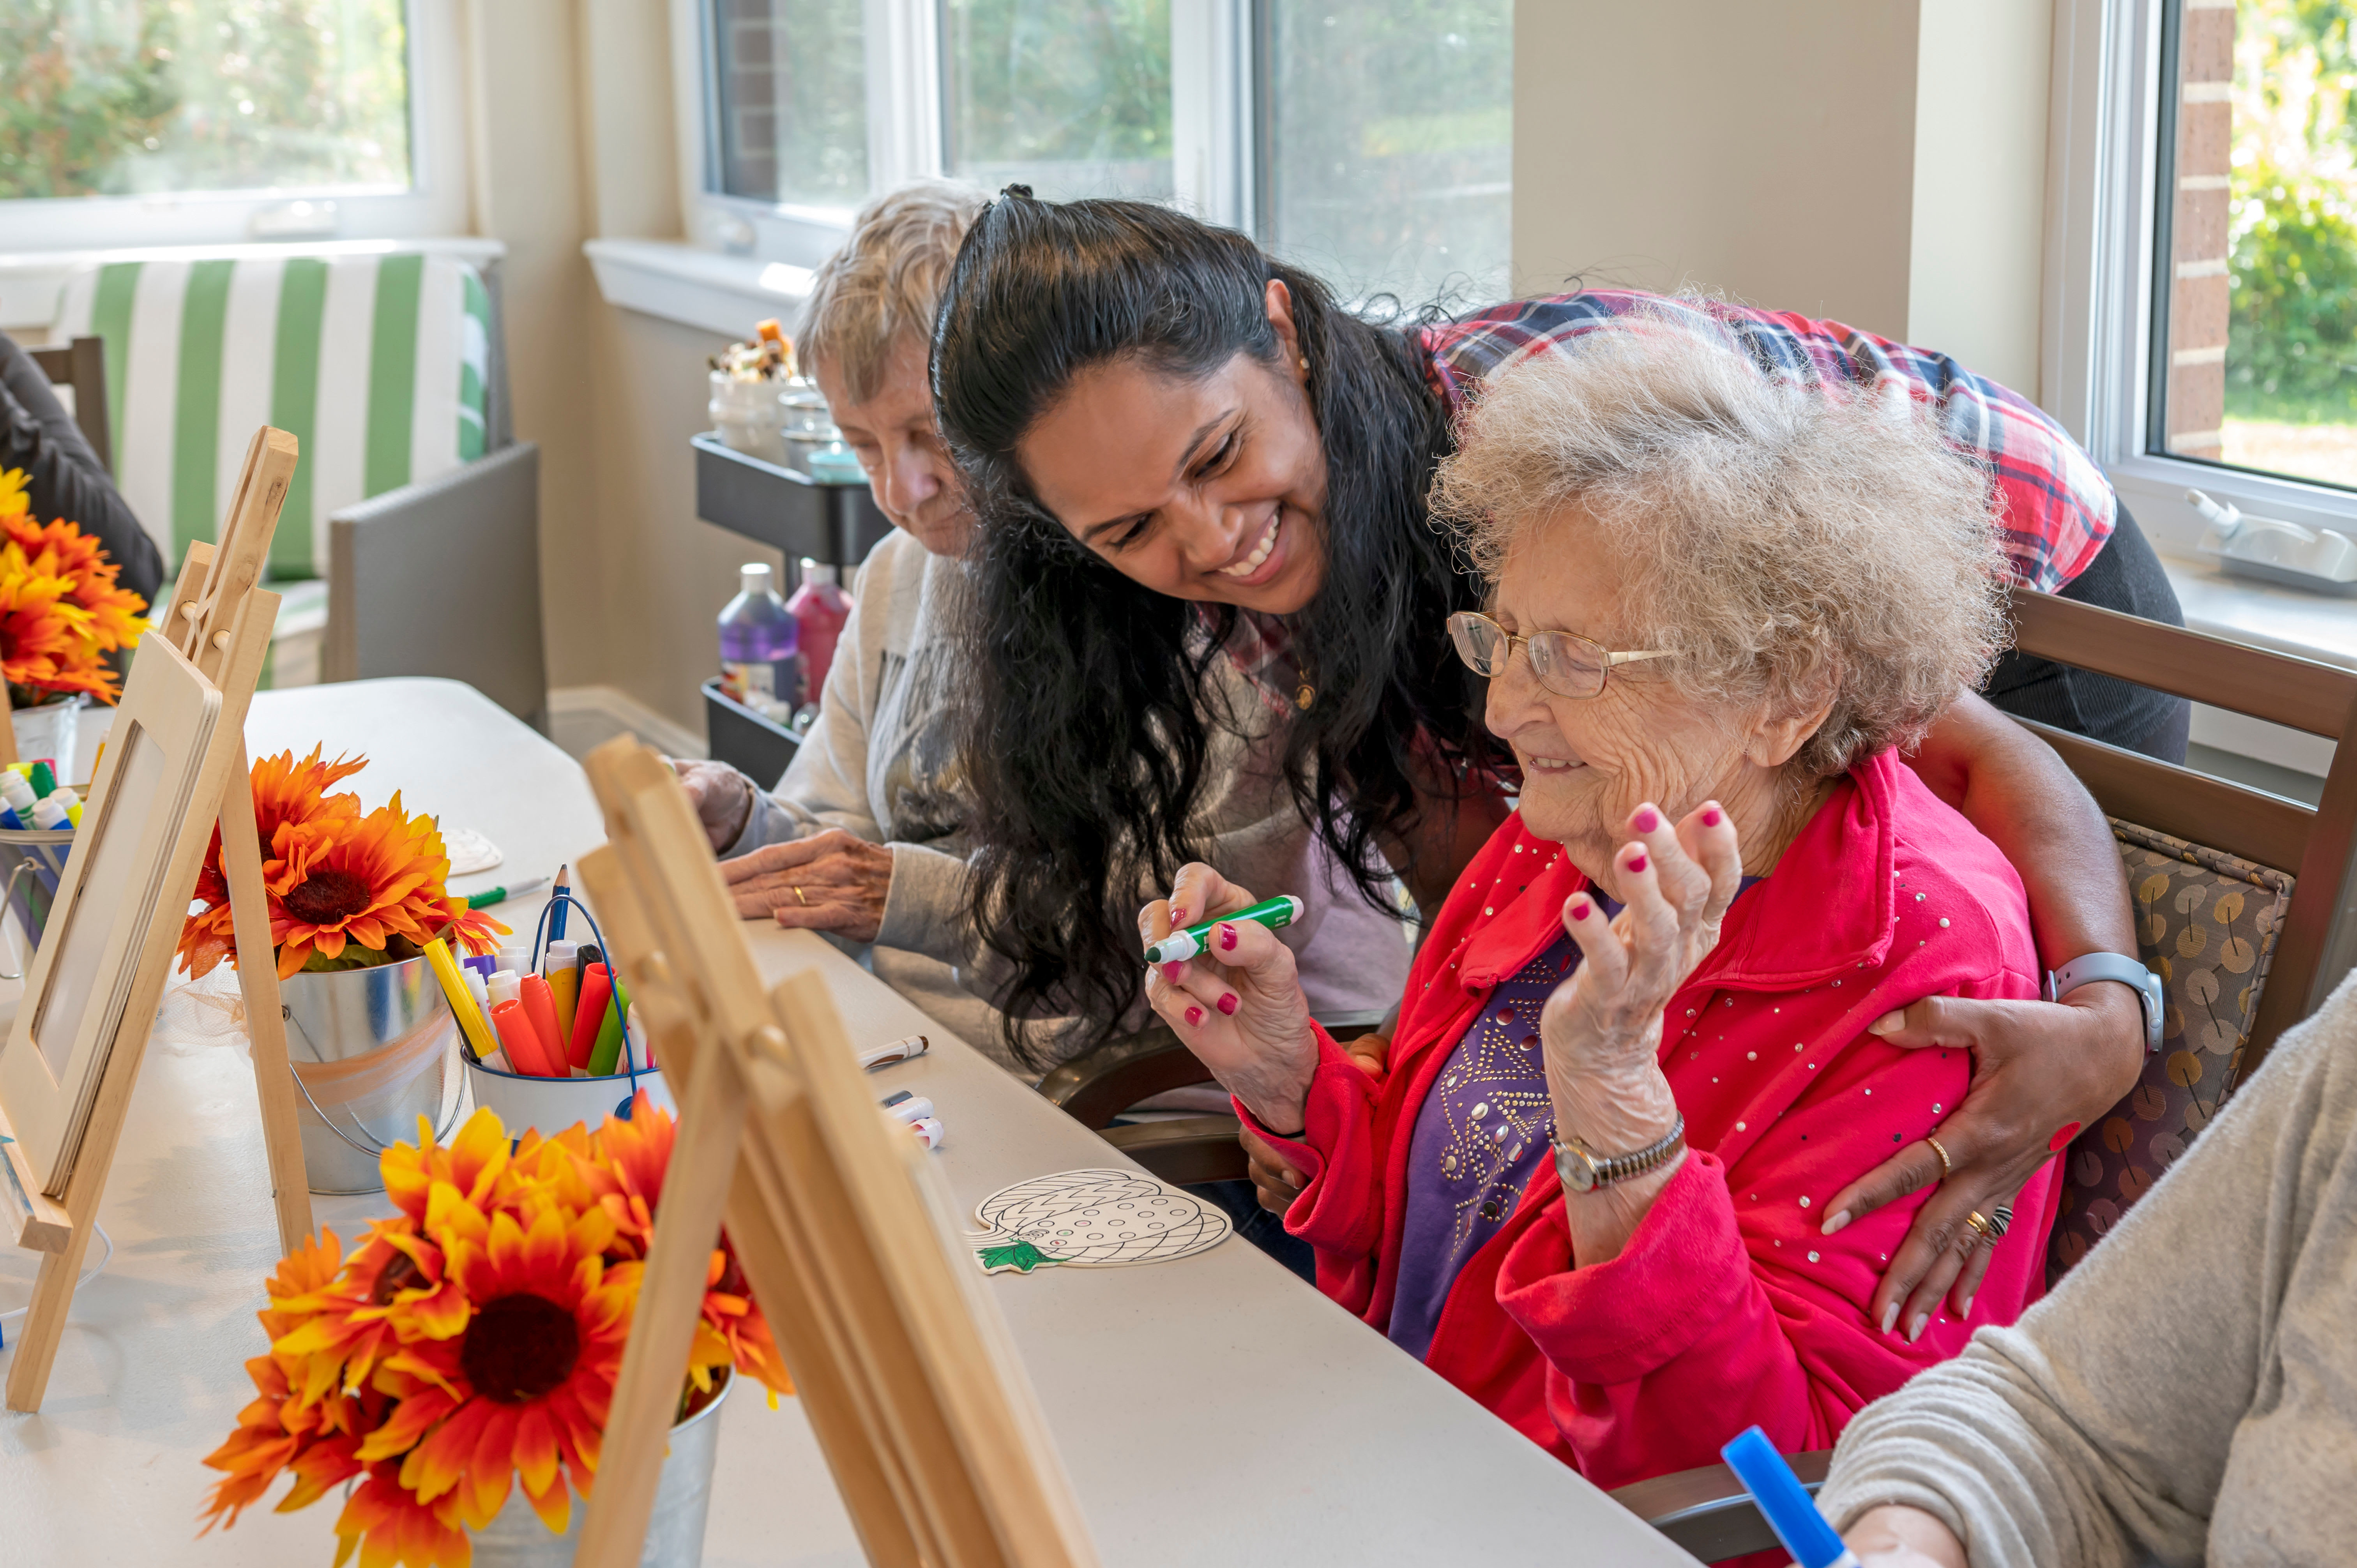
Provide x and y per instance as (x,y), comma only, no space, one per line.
(878,763)
(2189,1394)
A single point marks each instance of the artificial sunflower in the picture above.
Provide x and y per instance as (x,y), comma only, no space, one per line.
(61,609)
(471,1344)
(346,890)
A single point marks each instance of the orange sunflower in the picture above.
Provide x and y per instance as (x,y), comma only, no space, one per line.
(522,1394)
(290,805)
(61,609)
(374,879)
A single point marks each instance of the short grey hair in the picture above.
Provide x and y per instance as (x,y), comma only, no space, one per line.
(885,285)
(1790,542)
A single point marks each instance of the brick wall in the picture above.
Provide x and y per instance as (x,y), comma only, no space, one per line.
(2197,295)
(751,92)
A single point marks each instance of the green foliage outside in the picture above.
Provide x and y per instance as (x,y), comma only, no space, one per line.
(1073,96)
(132,97)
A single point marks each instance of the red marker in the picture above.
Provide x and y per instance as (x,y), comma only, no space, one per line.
(596,987)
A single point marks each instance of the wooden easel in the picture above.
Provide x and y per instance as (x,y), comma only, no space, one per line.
(899,1357)
(220,621)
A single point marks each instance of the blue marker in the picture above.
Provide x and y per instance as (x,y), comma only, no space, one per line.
(1791,1512)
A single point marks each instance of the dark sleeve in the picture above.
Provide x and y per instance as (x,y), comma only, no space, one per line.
(2127,577)
(63,477)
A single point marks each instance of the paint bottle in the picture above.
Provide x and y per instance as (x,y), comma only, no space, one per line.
(759,639)
(820,607)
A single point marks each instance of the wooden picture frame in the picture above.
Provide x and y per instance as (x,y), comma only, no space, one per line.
(99,972)
(846,1232)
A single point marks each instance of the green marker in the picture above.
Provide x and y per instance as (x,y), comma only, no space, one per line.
(1179,946)
(490,896)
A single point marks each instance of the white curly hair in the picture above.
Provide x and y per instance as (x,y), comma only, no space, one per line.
(1790,543)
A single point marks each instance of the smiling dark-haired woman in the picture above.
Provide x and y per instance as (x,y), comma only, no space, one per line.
(1184,452)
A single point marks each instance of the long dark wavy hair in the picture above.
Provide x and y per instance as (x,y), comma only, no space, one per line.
(1090,717)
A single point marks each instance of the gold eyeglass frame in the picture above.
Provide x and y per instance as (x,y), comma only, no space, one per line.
(1608,661)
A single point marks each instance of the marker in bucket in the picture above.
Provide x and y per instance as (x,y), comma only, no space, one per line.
(1179,946)
(1785,1504)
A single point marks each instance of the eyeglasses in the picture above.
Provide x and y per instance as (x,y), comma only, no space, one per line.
(1566,663)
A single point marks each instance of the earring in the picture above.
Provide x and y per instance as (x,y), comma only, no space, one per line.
(1305,361)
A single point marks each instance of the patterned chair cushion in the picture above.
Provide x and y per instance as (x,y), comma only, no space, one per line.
(2206,923)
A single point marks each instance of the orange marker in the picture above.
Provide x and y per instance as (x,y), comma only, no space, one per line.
(539,1006)
(525,1053)
(596,985)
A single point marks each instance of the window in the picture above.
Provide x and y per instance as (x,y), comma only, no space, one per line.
(160,122)
(2260,330)
(1071,97)
(792,100)
(1388,141)
(1369,140)
(136,97)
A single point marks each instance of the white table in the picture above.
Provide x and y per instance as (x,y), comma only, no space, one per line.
(1208,1410)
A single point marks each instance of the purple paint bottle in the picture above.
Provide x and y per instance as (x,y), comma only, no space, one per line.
(759,642)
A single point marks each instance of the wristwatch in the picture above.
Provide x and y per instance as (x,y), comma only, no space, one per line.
(1582,1169)
(2088,968)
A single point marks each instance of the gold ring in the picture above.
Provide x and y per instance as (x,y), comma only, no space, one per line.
(1988,1232)
(805,898)
(1947,1168)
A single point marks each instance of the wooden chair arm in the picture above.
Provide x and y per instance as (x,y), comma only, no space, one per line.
(1706,1511)
(1098,1085)
(1184,1150)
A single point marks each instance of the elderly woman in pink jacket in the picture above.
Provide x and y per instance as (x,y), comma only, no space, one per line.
(1638,1053)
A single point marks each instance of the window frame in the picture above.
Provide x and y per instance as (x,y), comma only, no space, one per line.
(2101,368)
(1215,124)
(436,204)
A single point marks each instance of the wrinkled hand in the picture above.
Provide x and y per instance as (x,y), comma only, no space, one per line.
(1277,1183)
(1602,1027)
(1897,1536)
(831,881)
(1238,1005)
(2041,1071)
(722,797)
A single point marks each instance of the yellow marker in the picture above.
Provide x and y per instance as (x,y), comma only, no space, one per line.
(566,984)
(462,1001)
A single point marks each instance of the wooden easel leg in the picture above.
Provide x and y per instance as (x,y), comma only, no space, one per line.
(265,1017)
(8,732)
(36,1348)
(663,1328)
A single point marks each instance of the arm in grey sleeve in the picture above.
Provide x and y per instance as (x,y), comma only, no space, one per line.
(2098,1430)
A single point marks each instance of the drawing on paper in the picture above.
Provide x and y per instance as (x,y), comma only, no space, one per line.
(1095,1219)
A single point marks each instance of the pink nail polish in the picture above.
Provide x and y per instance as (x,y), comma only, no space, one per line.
(1581,909)
(2062,1136)
(1174,973)
(1194,1016)
(1178,914)
(1648,821)
(1229,1003)
(1711,817)
(1227,938)
(1636,863)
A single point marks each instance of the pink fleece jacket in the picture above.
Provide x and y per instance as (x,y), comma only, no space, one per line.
(1727,1308)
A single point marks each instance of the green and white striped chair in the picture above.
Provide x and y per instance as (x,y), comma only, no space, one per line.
(384,367)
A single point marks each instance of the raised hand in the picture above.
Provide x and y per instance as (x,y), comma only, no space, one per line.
(1238,1005)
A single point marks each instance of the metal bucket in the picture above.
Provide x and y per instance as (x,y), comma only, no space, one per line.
(371,1049)
(516,1539)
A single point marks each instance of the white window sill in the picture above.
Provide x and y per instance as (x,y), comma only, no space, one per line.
(683,283)
(30,281)
(2311,626)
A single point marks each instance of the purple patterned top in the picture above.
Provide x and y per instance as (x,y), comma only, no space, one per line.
(1484,1128)
(1486,1125)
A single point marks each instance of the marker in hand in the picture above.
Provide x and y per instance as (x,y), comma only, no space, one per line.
(1786,1505)
(1179,946)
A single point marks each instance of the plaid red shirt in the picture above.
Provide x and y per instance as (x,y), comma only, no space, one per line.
(2054,507)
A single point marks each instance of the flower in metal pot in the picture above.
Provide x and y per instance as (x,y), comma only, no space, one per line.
(347,890)
(61,611)
(472,1343)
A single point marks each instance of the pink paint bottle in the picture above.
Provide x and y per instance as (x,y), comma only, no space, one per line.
(819,607)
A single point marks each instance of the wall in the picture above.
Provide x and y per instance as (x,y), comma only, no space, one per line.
(572,134)
(1883,165)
